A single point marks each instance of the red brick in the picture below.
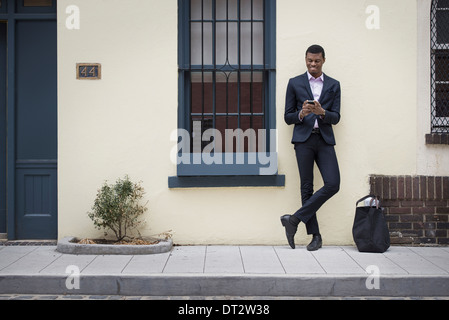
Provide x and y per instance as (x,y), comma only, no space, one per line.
(415,188)
(436,203)
(401,210)
(418,225)
(411,217)
(412,233)
(441,233)
(412,203)
(423,187)
(422,210)
(442,225)
(376,185)
(445,187)
(426,240)
(400,225)
(430,225)
(390,203)
(438,188)
(393,188)
(408,187)
(430,233)
(392,218)
(442,210)
(401,186)
(430,187)
(386,188)
(436,217)
(402,240)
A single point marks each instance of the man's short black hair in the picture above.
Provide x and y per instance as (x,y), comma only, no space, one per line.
(316,49)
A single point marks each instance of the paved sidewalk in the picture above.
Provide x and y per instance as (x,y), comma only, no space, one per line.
(332,271)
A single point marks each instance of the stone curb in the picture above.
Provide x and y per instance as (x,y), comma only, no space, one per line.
(220,284)
(66,245)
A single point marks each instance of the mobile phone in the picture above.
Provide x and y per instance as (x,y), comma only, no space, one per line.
(310,102)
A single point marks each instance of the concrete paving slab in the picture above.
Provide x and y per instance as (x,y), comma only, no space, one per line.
(223,259)
(33,262)
(186,259)
(379,260)
(147,264)
(335,260)
(436,255)
(298,261)
(9,255)
(412,262)
(65,263)
(107,264)
(261,260)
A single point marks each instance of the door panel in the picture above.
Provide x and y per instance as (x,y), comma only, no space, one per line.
(36,130)
(2,127)
(36,98)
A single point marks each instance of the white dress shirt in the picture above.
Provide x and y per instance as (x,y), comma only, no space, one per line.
(316,85)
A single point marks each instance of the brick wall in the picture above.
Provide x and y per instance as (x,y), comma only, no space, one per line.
(416,208)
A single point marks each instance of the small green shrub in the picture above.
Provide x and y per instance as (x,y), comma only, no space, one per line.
(117,208)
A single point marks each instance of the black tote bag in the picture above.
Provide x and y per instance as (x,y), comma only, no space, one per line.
(370,230)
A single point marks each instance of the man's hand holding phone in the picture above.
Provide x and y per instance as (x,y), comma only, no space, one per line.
(311,106)
(307,108)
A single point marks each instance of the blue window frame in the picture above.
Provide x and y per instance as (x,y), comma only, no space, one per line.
(227,74)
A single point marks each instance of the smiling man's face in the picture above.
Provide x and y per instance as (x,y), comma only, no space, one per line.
(314,63)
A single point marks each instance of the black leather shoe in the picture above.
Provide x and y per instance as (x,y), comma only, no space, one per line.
(315,244)
(290,230)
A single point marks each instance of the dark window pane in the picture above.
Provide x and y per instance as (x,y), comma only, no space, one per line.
(251,11)
(442,26)
(227,38)
(443,3)
(201,43)
(442,65)
(251,92)
(442,100)
(201,9)
(201,92)
(221,86)
(230,5)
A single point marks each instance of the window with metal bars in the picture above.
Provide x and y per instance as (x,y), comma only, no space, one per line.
(440,66)
(227,81)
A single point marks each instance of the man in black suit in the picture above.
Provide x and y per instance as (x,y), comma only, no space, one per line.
(313,106)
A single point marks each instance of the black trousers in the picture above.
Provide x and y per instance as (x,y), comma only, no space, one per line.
(316,150)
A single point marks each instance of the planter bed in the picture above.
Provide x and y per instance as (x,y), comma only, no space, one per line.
(70,245)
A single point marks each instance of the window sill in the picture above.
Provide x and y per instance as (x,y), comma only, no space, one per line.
(225,181)
(437,138)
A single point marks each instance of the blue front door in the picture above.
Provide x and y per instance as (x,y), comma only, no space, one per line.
(31,123)
(36,131)
(2,128)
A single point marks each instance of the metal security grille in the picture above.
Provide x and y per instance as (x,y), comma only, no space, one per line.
(227,67)
(440,66)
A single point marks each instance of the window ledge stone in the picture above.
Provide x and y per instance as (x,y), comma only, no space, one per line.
(225,181)
(437,138)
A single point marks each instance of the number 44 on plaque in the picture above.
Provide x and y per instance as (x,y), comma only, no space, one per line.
(88,71)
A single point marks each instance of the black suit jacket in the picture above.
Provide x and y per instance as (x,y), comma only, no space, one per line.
(298,90)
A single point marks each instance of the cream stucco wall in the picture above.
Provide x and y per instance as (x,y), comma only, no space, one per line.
(122,123)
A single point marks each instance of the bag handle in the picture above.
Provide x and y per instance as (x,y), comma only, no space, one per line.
(371,202)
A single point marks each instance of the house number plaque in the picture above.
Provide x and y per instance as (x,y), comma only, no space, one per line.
(88,71)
